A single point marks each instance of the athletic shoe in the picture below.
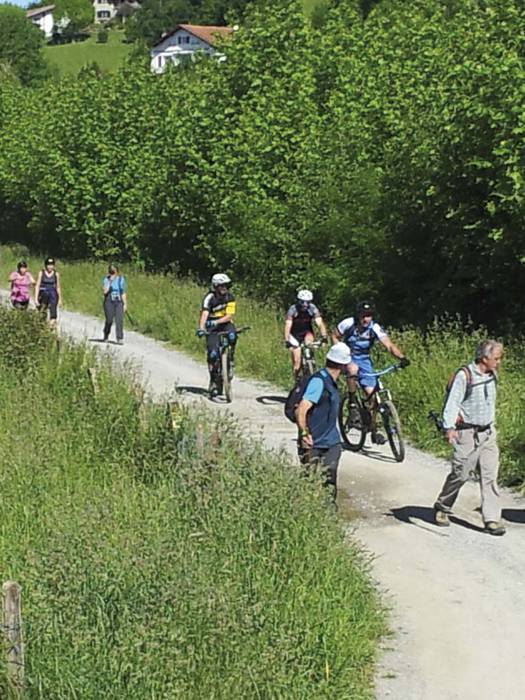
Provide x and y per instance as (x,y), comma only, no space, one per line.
(441,518)
(378,439)
(494,528)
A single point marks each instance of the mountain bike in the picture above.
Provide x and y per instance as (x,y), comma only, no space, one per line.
(358,414)
(223,375)
(308,364)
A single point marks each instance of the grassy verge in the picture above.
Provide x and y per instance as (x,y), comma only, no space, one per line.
(70,58)
(168,307)
(158,564)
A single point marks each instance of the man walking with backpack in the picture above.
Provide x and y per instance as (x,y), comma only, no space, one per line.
(468,422)
(317,414)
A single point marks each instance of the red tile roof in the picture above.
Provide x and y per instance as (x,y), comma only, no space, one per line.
(207,33)
(39,10)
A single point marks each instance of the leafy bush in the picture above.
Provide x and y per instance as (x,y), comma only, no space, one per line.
(102,36)
(378,156)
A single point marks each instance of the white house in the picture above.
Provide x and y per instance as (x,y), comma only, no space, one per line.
(104,10)
(108,9)
(42,17)
(181,43)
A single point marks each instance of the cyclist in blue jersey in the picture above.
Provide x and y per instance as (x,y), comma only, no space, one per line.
(360,333)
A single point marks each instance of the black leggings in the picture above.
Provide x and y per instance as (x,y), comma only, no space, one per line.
(213,340)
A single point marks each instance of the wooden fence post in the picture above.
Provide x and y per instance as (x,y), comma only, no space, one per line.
(93,377)
(174,411)
(12,628)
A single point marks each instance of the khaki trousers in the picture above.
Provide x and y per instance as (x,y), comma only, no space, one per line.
(471,450)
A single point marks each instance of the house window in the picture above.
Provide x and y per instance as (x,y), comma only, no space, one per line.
(186,39)
(159,61)
(103,14)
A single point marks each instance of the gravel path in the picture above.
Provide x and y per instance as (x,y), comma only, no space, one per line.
(457,596)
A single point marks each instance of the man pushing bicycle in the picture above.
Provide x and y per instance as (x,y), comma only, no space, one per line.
(360,334)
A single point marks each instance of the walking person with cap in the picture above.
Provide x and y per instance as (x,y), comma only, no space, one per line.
(468,422)
(114,288)
(319,441)
(48,292)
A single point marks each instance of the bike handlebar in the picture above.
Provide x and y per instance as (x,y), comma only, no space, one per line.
(237,331)
(382,372)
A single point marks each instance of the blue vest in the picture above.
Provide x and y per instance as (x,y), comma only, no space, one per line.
(323,417)
(360,342)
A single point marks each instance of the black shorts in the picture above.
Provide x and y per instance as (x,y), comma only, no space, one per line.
(301,333)
(20,304)
(48,301)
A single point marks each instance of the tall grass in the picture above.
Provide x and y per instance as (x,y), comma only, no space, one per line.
(160,564)
(167,308)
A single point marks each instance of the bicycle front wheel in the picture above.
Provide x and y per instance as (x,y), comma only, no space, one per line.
(226,376)
(352,423)
(393,430)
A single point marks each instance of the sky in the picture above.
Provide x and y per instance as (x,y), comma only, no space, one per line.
(20,3)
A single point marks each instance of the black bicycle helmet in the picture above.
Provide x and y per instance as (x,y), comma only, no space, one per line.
(364,308)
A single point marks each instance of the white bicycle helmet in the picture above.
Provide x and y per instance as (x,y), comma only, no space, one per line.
(220,278)
(305,295)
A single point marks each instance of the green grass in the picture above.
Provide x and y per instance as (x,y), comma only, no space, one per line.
(167,308)
(70,58)
(157,564)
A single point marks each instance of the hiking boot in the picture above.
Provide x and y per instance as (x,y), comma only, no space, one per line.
(494,528)
(120,342)
(378,438)
(441,518)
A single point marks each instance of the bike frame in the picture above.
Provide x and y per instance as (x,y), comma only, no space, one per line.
(380,393)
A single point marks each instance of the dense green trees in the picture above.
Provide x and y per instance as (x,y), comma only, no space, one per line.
(378,156)
(20,46)
(157,16)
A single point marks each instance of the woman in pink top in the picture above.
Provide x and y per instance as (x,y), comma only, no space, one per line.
(21,280)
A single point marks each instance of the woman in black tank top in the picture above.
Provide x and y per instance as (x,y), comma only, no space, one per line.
(48,294)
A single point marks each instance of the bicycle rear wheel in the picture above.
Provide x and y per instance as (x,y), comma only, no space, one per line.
(226,378)
(392,426)
(352,423)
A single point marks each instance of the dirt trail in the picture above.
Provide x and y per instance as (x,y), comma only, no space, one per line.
(457,595)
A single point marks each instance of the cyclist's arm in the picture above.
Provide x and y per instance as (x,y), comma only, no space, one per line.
(336,336)
(287,329)
(321,325)
(202,320)
(392,348)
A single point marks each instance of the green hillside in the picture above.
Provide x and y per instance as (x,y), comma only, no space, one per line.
(70,58)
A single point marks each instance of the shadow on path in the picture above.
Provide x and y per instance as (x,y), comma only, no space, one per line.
(201,391)
(405,514)
(513,515)
(270,400)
